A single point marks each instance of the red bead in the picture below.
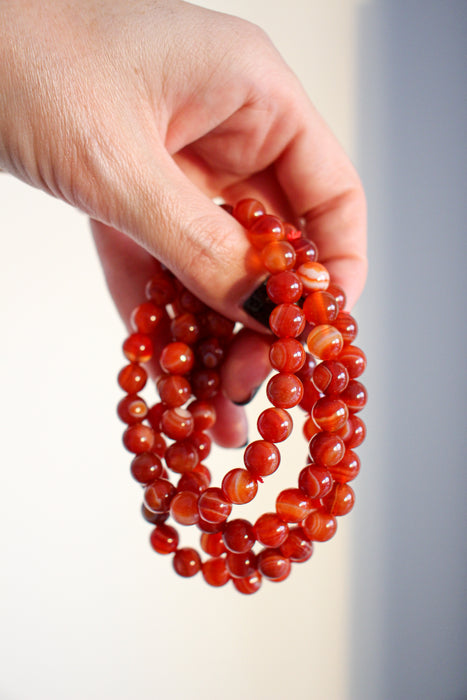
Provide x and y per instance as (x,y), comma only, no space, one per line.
(314,277)
(155,414)
(146,467)
(213,544)
(159,446)
(271,530)
(161,289)
(330,377)
(164,539)
(206,527)
(306,251)
(354,395)
(339,295)
(186,562)
(204,471)
(193,481)
(158,494)
(210,353)
(248,585)
(213,506)
(310,396)
(201,442)
(275,424)
(132,409)
(185,328)
(132,378)
(205,383)
(216,325)
(315,481)
(347,326)
(326,449)
(325,341)
(320,307)
(353,359)
(284,287)
(310,428)
(284,390)
(287,355)
(241,565)
(138,347)
(347,469)
(239,536)
(354,431)
(330,413)
(181,456)
(151,517)
(204,414)
(215,572)
(340,500)
(174,390)
(138,438)
(261,458)
(184,508)
(273,564)
(293,505)
(319,526)
(177,423)
(278,256)
(287,321)
(297,547)
(247,211)
(146,317)
(177,358)
(306,372)
(264,230)
(239,486)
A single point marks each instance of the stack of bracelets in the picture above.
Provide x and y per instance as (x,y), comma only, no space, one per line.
(169,440)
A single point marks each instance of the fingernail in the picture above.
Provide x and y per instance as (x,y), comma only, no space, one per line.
(248,399)
(259,306)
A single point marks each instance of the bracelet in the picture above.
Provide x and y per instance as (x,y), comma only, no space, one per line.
(170,440)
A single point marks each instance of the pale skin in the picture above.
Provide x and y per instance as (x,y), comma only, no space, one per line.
(139,112)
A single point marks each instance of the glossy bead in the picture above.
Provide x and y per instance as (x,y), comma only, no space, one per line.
(278,256)
(250,584)
(177,423)
(320,307)
(159,445)
(215,572)
(155,414)
(204,471)
(319,526)
(315,481)
(161,289)
(239,536)
(146,467)
(275,424)
(193,481)
(284,287)
(330,377)
(151,517)
(132,378)
(210,353)
(146,317)
(138,347)
(270,530)
(330,413)
(177,358)
(347,326)
(326,449)
(284,390)
(261,458)
(186,562)
(353,359)
(340,500)
(247,211)
(132,409)
(201,442)
(164,539)
(306,372)
(204,414)
(239,486)
(174,390)
(287,321)
(241,565)
(185,328)
(310,428)
(354,431)
(287,355)
(184,508)
(213,506)
(310,396)
(297,547)
(212,544)
(354,395)
(158,494)
(338,294)
(325,342)
(305,250)
(347,469)
(206,527)
(138,438)
(264,230)
(314,277)
(181,456)
(205,383)
(293,505)
(273,564)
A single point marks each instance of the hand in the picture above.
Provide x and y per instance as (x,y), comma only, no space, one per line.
(139,113)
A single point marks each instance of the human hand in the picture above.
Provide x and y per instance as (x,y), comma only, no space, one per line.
(138,113)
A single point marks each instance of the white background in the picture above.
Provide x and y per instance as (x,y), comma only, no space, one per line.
(87,610)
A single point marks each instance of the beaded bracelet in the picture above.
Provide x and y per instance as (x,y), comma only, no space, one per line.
(170,440)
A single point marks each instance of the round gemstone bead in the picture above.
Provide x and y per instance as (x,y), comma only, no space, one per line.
(315,481)
(261,458)
(320,307)
(201,442)
(186,562)
(275,424)
(250,584)
(138,438)
(353,359)
(330,377)
(212,543)
(339,295)
(151,517)
(185,328)
(213,506)
(297,547)
(138,347)
(161,289)
(239,486)
(354,431)
(241,565)
(305,250)
(264,230)
(287,355)
(158,494)
(204,414)
(155,414)
(284,287)
(181,456)
(132,409)
(319,526)
(293,505)
(330,413)
(177,423)
(314,276)
(284,390)
(310,428)
(174,390)
(325,342)
(177,358)
(310,396)
(247,211)
(210,353)
(193,481)
(164,539)
(287,321)
(271,530)
(340,500)
(278,256)
(205,383)
(217,325)
(326,449)
(239,536)
(146,467)
(354,395)
(146,317)
(215,572)
(347,326)
(184,508)
(273,564)
(132,378)
(347,469)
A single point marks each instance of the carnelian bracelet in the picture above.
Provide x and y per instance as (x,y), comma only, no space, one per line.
(170,440)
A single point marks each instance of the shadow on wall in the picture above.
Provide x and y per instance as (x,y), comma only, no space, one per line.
(409,591)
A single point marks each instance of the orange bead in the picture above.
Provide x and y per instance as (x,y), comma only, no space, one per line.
(138,347)
(305,250)
(184,508)
(287,321)
(264,230)
(315,481)
(284,287)
(271,530)
(314,277)
(320,307)
(164,539)
(241,565)
(177,358)
(204,414)
(347,469)
(132,378)
(278,256)
(146,467)
(319,526)
(293,505)
(132,409)
(215,572)
(347,326)
(325,342)
(261,458)
(185,328)
(297,547)
(354,395)
(158,494)
(239,486)
(239,535)
(193,481)
(330,413)
(181,456)
(339,295)
(330,377)
(275,424)
(273,564)
(326,449)
(247,211)
(174,390)
(353,359)
(213,506)
(186,562)
(177,423)
(310,428)
(354,431)
(284,390)
(250,584)
(340,500)
(213,544)
(138,438)
(146,317)
(287,355)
